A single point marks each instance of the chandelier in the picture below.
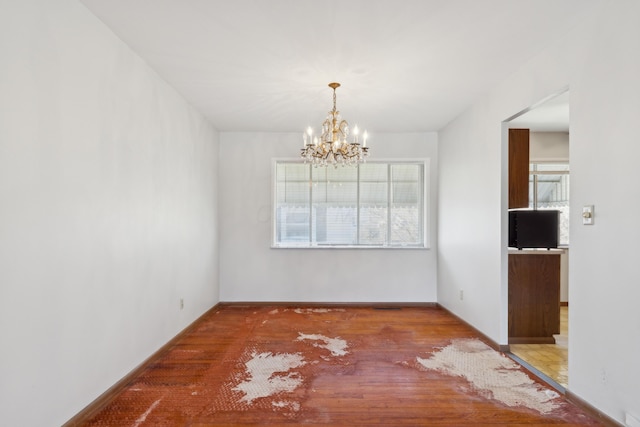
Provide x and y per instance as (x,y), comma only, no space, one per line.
(333,146)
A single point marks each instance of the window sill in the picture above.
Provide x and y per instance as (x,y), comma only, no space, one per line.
(346,247)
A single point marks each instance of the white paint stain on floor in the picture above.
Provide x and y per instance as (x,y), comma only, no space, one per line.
(286,404)
(268,374)
(337,346)
(490,372)
(142,418)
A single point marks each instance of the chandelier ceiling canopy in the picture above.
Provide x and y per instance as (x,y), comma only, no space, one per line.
(334,146)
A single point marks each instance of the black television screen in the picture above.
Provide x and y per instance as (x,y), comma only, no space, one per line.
(533,229)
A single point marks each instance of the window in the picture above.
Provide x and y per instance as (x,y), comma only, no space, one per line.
(377,204)
(549,189)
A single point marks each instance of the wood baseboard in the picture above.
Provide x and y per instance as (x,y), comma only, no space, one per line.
(101,401)
(564,303)
(585,406)
(494,345)
(327,304)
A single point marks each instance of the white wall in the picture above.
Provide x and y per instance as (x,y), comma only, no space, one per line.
(107,211)
(599,62)
(549,146)
(251,271)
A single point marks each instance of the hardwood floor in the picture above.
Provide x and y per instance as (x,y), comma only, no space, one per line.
(355,366)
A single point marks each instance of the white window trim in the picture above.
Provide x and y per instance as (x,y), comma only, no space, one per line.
(426,162)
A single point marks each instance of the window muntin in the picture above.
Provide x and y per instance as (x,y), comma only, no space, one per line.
(377,204)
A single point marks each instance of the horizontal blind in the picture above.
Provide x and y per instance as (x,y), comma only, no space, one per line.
(292,214)
(374,204)
(406,206)
(334,206)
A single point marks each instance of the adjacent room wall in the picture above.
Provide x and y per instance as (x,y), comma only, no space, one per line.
(250,270)
(549,146)
(108,212)
(599,62)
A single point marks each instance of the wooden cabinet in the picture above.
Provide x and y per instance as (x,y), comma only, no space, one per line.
(534,297)
(518,168)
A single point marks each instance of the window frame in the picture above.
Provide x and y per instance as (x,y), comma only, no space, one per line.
(425,244)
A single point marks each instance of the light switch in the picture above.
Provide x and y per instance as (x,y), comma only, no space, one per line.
(587,215)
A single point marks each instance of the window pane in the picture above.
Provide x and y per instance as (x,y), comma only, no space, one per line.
(406,209)
(292,224)
(335,206)
(374,201)
(374,185)
(374,172)
(404,227)
(293,208)
(374,193)
(374,204)
(553,188)
(373,225)
(292,183)
(549,186)
(553,193)
(406,173)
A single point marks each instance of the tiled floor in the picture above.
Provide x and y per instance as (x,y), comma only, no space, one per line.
(550,359)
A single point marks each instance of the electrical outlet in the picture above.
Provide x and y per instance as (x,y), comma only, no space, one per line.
(181,303)
(461,295)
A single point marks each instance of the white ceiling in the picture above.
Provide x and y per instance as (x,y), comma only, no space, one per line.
(404,65)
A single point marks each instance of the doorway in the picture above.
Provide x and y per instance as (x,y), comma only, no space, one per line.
(549,169)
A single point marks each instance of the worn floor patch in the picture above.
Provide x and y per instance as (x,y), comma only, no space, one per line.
(269,374)
(337,346)
(492,373)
